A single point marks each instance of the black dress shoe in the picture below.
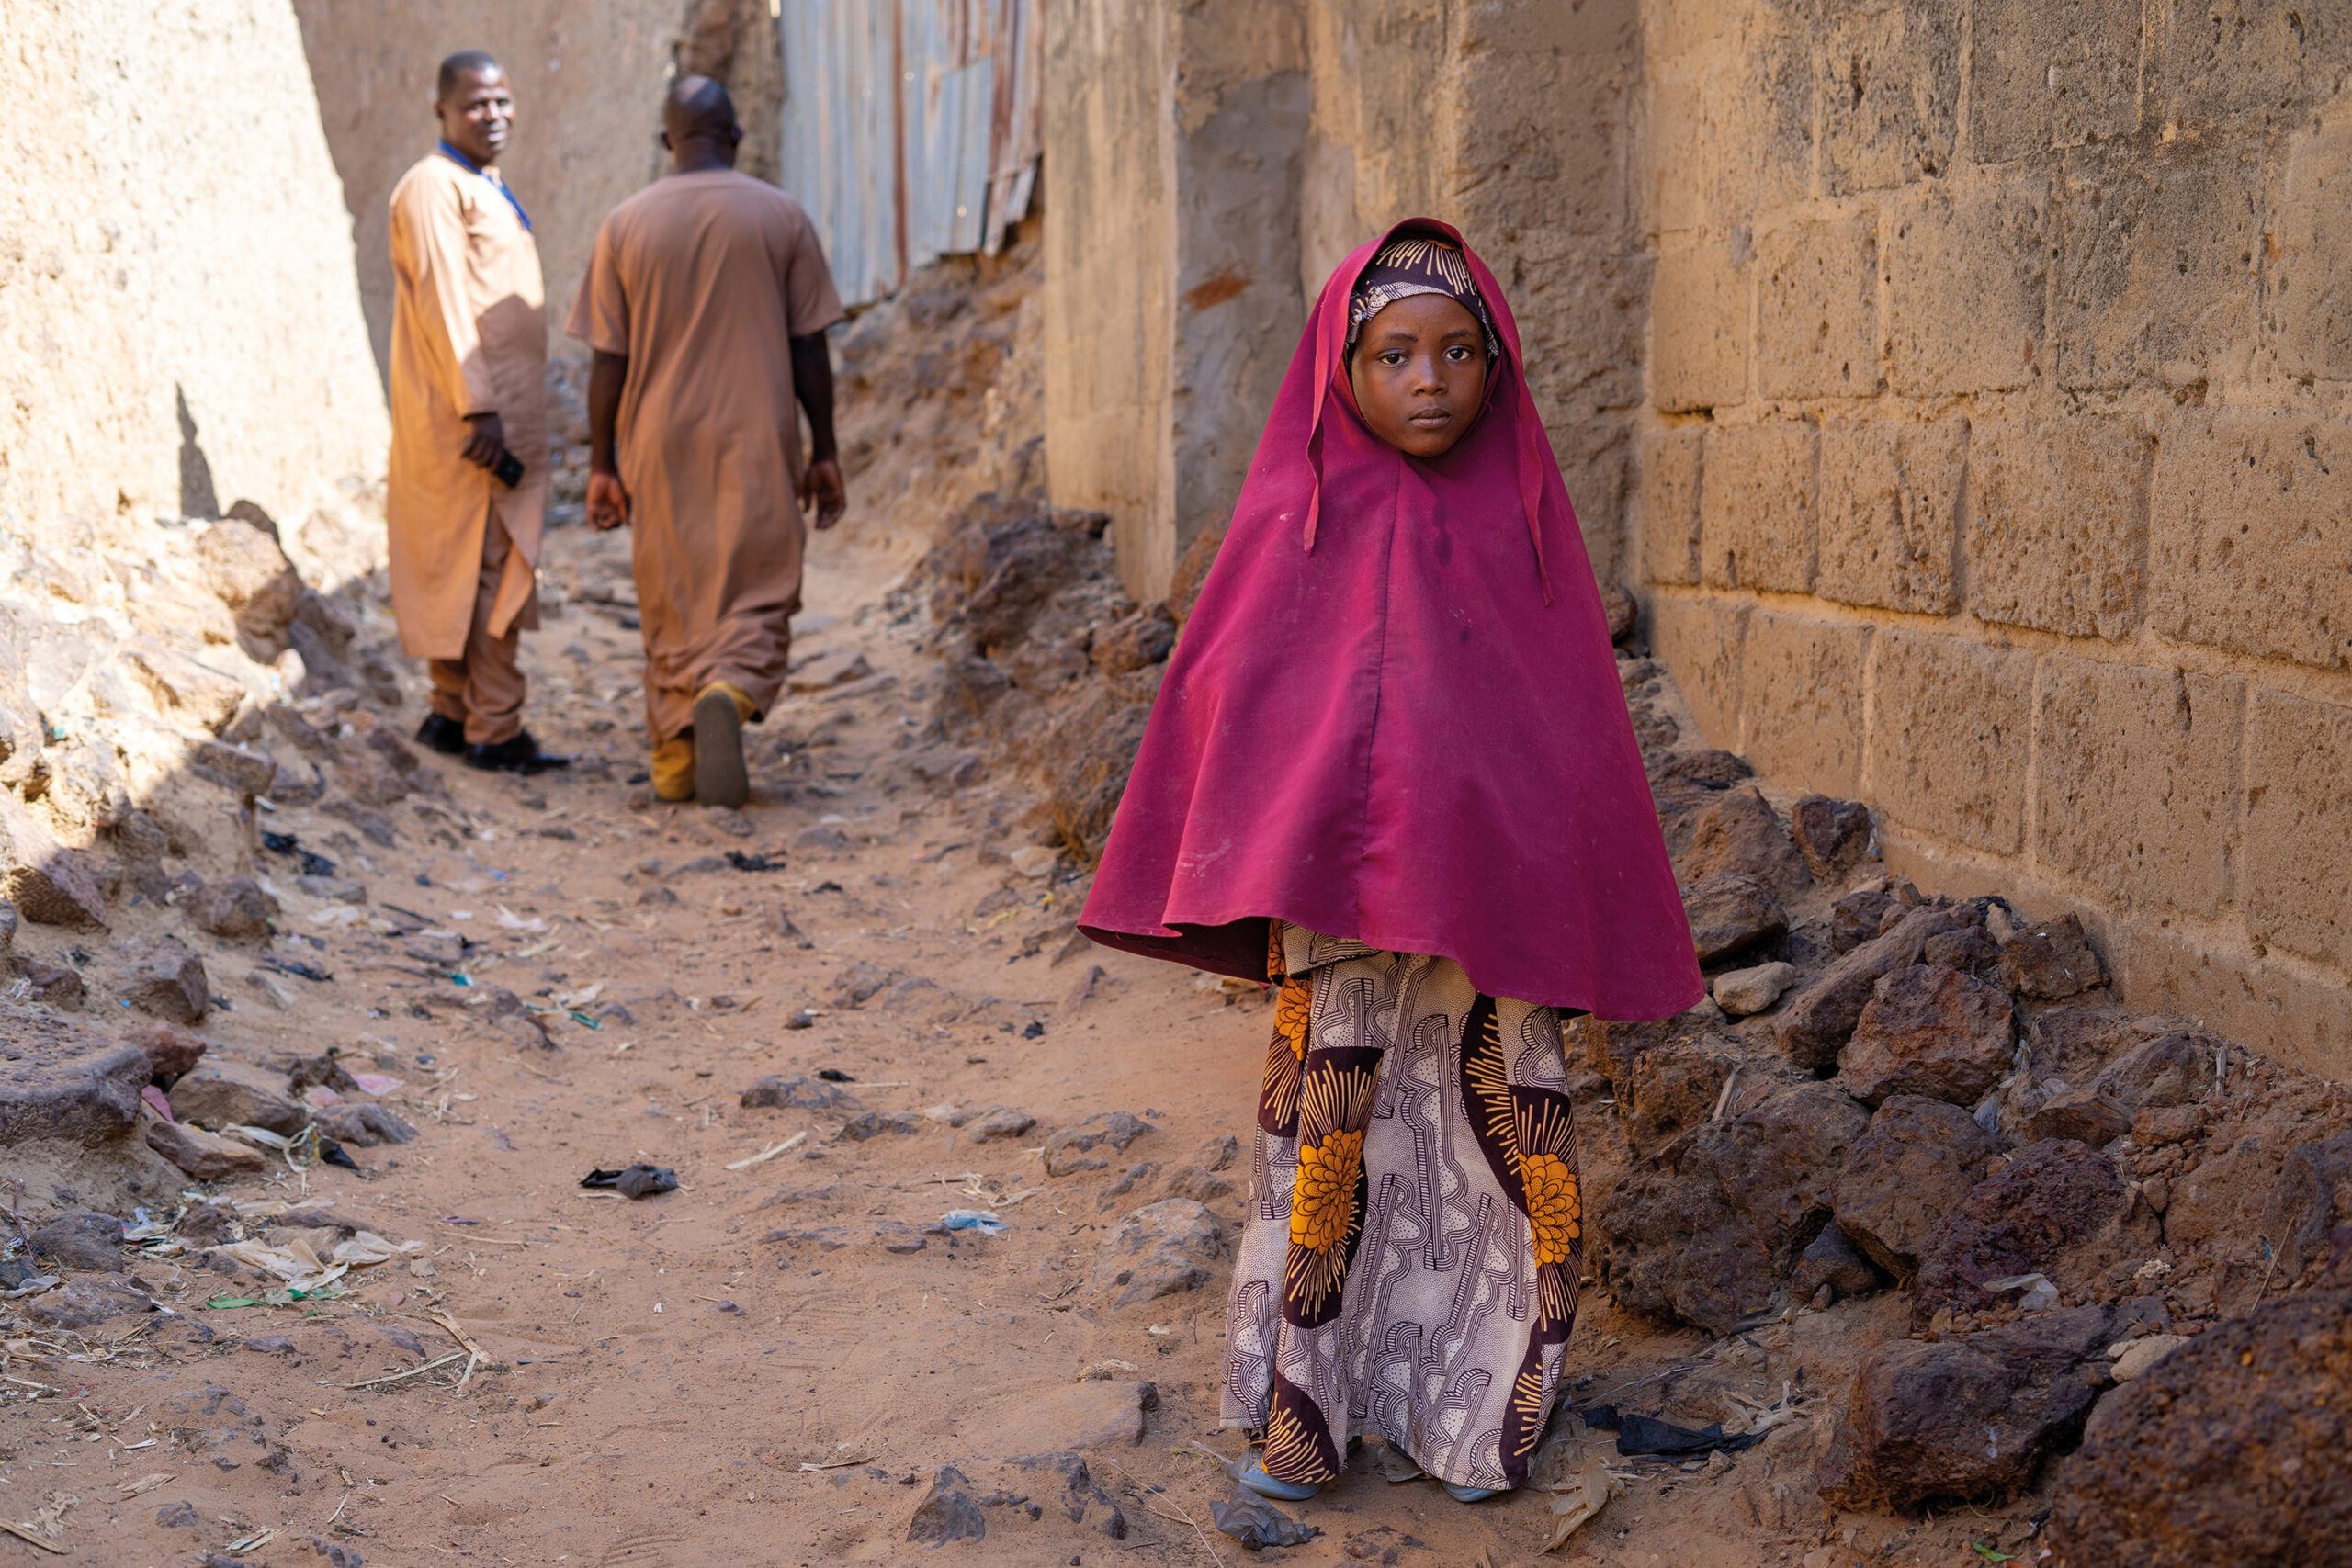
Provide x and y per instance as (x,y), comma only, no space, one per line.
(519,755)
(446,736)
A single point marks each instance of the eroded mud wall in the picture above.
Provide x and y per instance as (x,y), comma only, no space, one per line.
(181,323)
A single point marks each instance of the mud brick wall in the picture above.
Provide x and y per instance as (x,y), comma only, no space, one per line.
(1996,465)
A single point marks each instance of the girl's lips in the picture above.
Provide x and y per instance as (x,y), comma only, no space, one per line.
(1431,417)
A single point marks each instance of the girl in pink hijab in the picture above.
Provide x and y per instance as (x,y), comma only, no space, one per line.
(1391,770)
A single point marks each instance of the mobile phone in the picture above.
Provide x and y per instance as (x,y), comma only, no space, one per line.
(509,469)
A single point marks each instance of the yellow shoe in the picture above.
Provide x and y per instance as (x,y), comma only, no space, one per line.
(720,776)
(673,769)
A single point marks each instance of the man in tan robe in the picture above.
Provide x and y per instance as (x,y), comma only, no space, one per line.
(466,488)
(706,302)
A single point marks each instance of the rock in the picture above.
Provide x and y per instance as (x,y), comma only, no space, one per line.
(203,1155)
(1097,1415)
(161,979)
(1741,832)
(233,907)
(187,692)
(2229,1450)
(2052,961)
(948,1512)
(1612,1047)
(2171,1069)
(2085,1115)
(232,1094)
(1830,834)
(1834,1260)
(1066,1151)
(834,667)
(1141,638)
(1814,1023)
(332,889)
(2159,1125)
(2312,1198)
(1160,1249)
(170,1048)
(178,1515)
(1219,1150)
(1918,1159)
(878,1123)
(1730,913)
(1623,610)
(46,882)
(9,921)
(56,985)
(1192,1181)
(1137,1176)
(86,1304)
(239,772)
(797,1091)
(83,1240)
(1671,1089)
(1746,992)
(1715,1237)
(2140,1355)
(860,982)
(657,893)
(1932,1031)
(2057,1209)
(998,1123)
(247,571)
(1967,1418)
(363,1126)
(1968,950)
(1710,770)
(61,1080)
(1855,919)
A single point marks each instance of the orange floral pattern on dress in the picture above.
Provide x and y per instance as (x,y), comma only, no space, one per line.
(1554,1206)
(1323,1203)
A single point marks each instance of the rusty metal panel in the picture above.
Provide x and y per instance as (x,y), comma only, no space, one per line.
(911,128)
(841,120)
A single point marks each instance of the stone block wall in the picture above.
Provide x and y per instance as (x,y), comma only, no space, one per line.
(1995,459)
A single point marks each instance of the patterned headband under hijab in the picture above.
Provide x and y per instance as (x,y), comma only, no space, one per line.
(1414,264)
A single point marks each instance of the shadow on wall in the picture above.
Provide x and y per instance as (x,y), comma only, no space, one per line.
(197,498)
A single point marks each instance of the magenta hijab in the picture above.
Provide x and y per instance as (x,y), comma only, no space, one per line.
(1395,715)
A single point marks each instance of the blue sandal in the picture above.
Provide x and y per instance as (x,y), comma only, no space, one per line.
(1470,1493)
(1252,1474)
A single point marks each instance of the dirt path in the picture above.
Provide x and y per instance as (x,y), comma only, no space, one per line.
(772,1363)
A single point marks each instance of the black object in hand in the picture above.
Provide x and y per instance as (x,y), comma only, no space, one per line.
(509,469)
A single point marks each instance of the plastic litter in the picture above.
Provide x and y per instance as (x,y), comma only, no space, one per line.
(834,1075)
(508,920)
(634,1182)
(1647,1435)
(743,862)
(981,1220)
(1256,1523)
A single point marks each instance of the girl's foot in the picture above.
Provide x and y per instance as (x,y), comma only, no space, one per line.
(1253,1476)
(1470,1493)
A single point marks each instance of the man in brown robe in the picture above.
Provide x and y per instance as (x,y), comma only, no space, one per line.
(706,302)
(466,487)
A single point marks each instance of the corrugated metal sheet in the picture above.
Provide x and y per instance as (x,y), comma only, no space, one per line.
(911,128)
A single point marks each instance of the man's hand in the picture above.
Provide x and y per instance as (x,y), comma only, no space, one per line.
(821,488)
(487,443)
(608,503)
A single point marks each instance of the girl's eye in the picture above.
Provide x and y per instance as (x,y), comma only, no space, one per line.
(1458,354)
(1393,356)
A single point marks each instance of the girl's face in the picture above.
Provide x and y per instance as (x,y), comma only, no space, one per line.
(1419,373)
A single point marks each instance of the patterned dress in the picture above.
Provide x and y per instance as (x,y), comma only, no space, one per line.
(1410,1261)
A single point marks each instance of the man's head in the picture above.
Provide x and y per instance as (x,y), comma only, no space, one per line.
(475,106)
(699,124)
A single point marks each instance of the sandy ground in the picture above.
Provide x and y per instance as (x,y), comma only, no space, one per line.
(670,1384)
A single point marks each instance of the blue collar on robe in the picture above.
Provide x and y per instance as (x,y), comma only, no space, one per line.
(472,168)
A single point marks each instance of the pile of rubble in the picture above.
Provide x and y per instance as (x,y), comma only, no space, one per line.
(1886,1092)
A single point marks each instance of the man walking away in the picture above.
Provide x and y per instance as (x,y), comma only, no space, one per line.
(707,303)
(468,484)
